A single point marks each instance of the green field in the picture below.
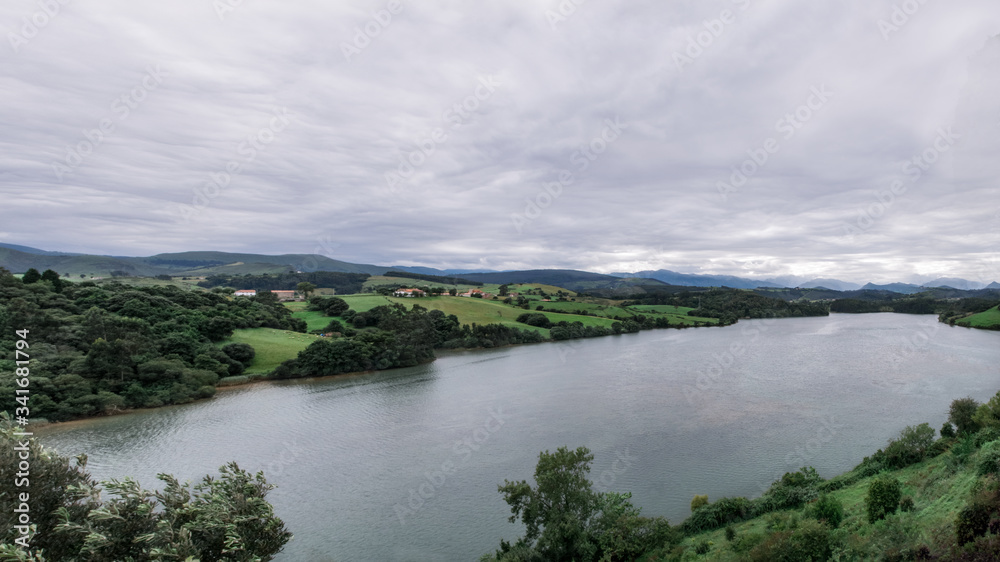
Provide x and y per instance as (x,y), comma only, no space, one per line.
(988,319)
(272,346)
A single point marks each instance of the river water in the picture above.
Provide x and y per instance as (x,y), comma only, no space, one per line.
(405,464)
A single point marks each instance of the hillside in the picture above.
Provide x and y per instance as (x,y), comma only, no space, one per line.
(989,320)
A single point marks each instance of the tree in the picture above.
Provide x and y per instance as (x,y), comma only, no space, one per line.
(884,493)
(566,520)
(947,430)
(556,511)
(53,277)
(31,276)
(988,414)
(452,291)
(306,288)
(241,352)
(961,414)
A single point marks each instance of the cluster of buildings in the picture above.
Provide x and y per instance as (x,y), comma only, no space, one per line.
(469,293)
(282,295)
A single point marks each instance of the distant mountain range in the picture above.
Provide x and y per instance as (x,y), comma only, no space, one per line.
(202,263)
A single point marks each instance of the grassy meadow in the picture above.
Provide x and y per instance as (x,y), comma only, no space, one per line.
(272,346)
(987,319)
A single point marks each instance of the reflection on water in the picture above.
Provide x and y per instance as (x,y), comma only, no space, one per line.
(404,464)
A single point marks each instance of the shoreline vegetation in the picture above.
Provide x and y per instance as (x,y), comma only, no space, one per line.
(918,498)
(114,347)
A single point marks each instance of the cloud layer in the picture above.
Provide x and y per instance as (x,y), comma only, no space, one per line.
(750,137)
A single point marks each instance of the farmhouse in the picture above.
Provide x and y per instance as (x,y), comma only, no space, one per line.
(245,293)
(408,293)
(284,295)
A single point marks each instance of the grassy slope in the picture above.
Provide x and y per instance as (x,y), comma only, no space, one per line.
(938,492)
(987,319)
(272,346)
(275,346)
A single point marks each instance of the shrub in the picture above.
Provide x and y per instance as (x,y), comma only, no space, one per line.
(730,533)
(698,501)
(883,497)
(960,413)
(947,430)
(961,451)
(975,518)
(746,542)
(910,447)
(811,541)
(986,435)
(989,459)
(702,547)
(828,509)
(906,504)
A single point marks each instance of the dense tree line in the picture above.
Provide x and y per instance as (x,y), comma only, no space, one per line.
(729,305)
(343,283)
(923,303)
(98,349)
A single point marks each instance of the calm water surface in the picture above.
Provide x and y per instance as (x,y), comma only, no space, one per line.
(668,414)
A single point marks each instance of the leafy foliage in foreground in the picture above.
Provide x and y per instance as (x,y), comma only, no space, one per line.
(225,518)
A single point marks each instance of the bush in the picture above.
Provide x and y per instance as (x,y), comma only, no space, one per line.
(811,541)
(702,547)
(986,435)
(698,501)
(989,459)
(883,497)
(975,519)
(961,412)
(242,352)
(730,533)
(906,504)
(746,542)
(828,509)
(910,447)
(947,430)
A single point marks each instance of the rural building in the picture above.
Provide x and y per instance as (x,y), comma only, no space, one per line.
(245,293)
(408,293)
(284,295)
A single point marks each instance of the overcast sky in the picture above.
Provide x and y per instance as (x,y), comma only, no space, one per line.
(606,136)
